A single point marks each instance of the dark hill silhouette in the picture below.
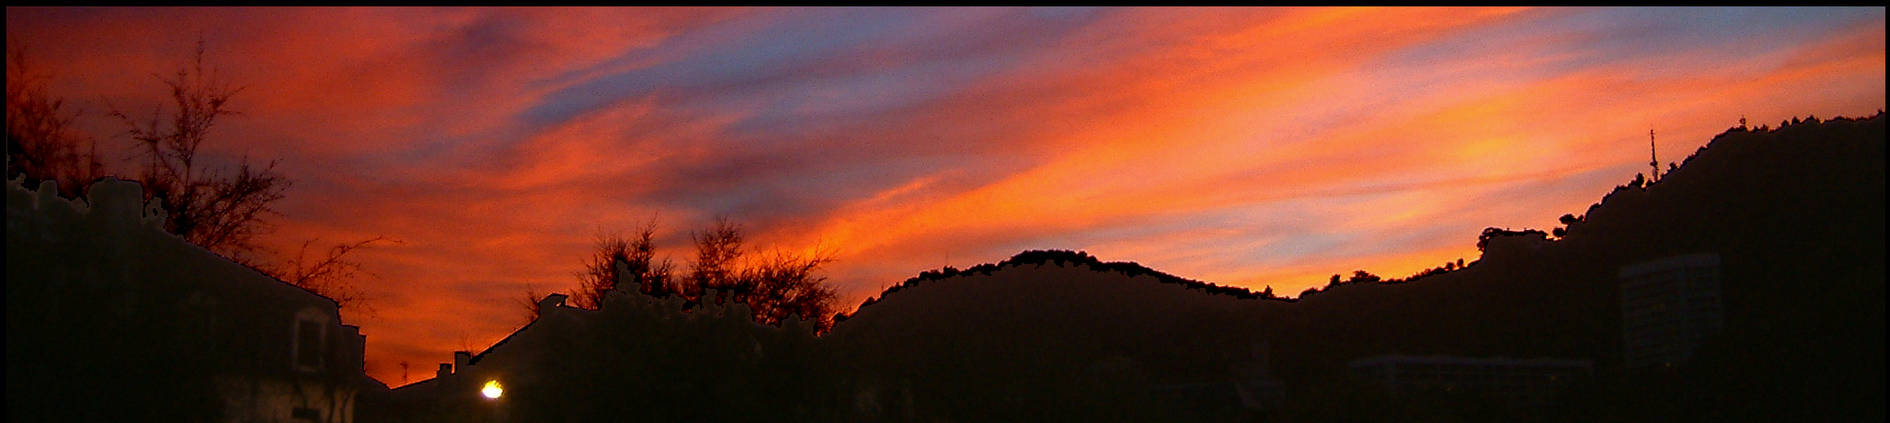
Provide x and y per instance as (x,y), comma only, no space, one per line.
(1793,215)
(1046,334)
(1071,258)
(1794,212)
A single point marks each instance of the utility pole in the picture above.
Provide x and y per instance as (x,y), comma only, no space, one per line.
(1653,158)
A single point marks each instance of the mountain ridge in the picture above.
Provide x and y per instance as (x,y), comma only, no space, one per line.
(1132,269)
(1797,207)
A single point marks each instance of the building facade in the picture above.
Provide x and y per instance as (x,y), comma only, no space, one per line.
(1526,382)
(1667,307)
(110,318)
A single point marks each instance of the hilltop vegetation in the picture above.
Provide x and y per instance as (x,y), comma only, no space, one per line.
(1795,212)
(1075,259)
(1044,334)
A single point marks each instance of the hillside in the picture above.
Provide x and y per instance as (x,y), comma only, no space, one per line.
(1796,216)
(1056,333)
(1794,212)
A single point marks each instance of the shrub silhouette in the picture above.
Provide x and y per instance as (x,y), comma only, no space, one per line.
(775,286)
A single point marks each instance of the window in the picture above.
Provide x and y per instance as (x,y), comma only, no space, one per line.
(309,341)
(308,351)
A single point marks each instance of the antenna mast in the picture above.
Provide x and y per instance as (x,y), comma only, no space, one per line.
(1653,158)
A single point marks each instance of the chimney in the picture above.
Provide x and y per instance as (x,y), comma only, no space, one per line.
(446,369)
(551,302)
(460,358)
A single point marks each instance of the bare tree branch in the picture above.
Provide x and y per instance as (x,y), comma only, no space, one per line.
(41,142)
(774,285)
(637,253)
(331,275)
(222,213)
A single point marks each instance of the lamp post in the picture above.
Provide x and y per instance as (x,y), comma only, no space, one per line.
(492,390)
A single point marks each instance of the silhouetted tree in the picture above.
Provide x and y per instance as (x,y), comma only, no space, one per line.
(528,304)
(786,284)
(1568,221)
(41,142)
(332,275)
(638,254)
(774,286)
(717,251)
(219,212)
(1483,239)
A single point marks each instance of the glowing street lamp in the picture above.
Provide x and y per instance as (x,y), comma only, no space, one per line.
(492,390)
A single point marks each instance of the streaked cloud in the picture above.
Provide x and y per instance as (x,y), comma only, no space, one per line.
(1254,147)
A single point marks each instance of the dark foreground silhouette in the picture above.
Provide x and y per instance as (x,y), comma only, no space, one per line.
(112,318)
(1791,217)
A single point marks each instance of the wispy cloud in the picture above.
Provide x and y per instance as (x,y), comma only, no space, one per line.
(1255,147)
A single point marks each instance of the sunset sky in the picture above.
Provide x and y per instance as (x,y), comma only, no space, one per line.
(1247,147)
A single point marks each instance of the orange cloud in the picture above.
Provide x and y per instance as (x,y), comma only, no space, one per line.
(1254,147)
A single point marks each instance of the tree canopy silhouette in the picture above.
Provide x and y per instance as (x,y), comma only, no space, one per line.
(209,206)
(1483,239)
(41,143)
(775,286)
(717,250)
(331,274)
(637,253)
(219,211)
